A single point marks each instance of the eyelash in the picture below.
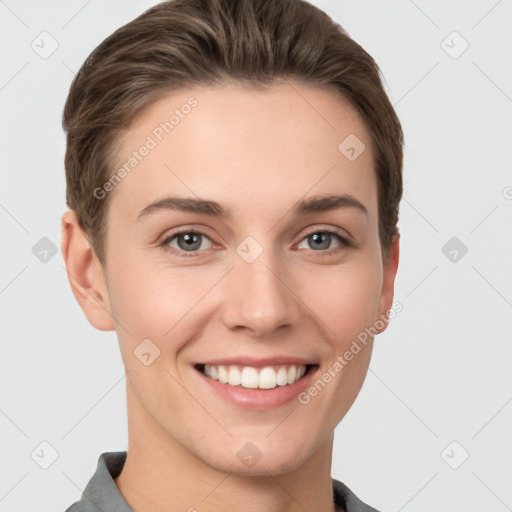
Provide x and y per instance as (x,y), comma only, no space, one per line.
(345,243)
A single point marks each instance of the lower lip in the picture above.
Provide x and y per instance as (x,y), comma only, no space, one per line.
(259,399)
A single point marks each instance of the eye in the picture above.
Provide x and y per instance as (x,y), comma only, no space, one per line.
(321,239)
(187,241)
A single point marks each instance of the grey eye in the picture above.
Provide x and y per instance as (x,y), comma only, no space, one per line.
(320,240)
(188,241)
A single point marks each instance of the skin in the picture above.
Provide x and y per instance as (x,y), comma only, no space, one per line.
(257,153)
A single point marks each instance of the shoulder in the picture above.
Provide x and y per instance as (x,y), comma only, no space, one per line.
(80,506)
(101,493)
(345,498)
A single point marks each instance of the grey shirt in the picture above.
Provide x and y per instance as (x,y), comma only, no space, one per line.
(102,495)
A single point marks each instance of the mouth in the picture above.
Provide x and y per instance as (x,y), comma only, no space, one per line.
(252,377)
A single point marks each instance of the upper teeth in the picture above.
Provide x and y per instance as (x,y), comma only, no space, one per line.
(249,377)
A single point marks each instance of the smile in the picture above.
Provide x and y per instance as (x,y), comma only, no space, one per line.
(267,377)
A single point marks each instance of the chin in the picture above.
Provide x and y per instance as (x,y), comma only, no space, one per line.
(258,458)
(271,465)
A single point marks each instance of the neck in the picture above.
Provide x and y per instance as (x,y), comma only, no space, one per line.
(160,474)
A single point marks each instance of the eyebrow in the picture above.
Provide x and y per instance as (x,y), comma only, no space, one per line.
(214,209)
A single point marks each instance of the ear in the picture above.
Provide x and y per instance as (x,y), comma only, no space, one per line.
(388,281)
(85,273)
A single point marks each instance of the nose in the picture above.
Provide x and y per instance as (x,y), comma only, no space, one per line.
(260,297)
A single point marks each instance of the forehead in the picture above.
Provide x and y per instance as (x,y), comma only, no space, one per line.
(247,148)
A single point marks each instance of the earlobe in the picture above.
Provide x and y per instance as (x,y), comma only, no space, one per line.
(388,281)
(85,274)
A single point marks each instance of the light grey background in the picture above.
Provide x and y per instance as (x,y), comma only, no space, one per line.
(440,373)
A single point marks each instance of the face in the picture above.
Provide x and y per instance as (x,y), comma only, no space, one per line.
(277,281)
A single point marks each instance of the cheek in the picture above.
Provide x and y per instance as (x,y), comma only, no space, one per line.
(152,302)
(345,299)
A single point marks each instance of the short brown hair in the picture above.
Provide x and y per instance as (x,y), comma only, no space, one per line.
(182,43)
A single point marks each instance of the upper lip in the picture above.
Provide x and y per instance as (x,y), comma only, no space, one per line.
(256,361)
